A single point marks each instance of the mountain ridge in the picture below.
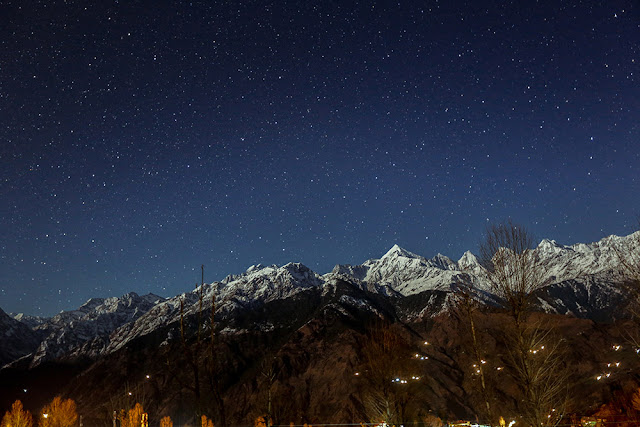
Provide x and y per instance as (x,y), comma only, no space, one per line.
(110,323)
(312,322)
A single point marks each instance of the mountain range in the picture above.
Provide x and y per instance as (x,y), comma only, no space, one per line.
(285,311)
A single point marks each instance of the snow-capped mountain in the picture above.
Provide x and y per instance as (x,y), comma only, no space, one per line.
(95,319)
(404,272)
(583,280)
(580,260)
(258,285)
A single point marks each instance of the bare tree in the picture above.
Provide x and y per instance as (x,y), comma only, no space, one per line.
(514,270)
(390,377)
(533,357)
(269,374)
(628,254)
(464,307)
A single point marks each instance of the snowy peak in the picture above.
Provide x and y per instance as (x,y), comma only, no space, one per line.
(580,260)
(443,262)
(407,273)
(270,282)
(358,272)
(396,251)
(549,247)
(468,261)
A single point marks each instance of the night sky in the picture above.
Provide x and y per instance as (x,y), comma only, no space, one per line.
(141,139)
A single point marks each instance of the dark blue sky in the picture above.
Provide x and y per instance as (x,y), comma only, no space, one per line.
(141,139)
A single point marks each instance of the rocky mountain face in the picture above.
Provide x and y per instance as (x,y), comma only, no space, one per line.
(16,339)
(314,324)
(66,333)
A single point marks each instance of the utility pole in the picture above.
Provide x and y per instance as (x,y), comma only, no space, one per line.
(202,268)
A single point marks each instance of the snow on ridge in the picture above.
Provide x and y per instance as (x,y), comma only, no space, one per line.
(397,251)
(398,272)
(95,319)
(257,285)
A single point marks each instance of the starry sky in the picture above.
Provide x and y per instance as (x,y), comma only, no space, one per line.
(141,139)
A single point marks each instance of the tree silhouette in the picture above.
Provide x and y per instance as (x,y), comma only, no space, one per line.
(628,255)
(464,307)
(533,356)
(390,383)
